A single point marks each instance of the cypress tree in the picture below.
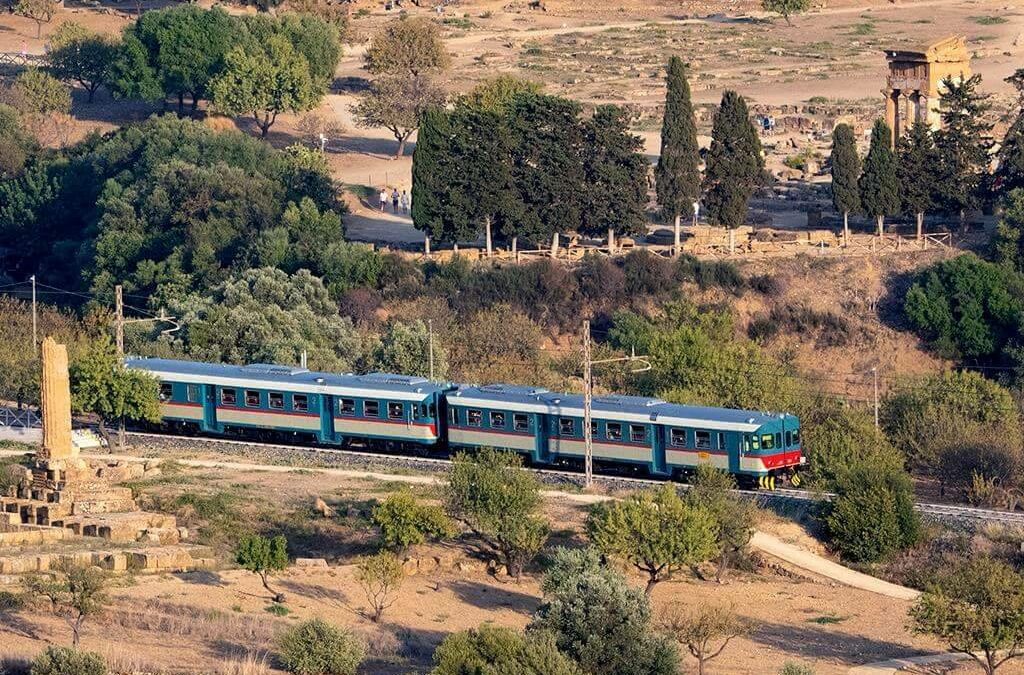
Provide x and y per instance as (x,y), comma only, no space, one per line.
(678,172)
(845,172)
(964,143)
(431,195)
(1010,170)
(735,166)
(879,185)
(615,176)
(917,161)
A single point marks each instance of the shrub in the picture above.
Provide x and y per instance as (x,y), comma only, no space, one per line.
(767,284)
(315,647)
(601,281)
(495,649)
(380,577)
(404,522)
(263,556)
(711,274)
(360,304)
(10,602)
(66,661)
(647,273)
(790,668)
(872,514)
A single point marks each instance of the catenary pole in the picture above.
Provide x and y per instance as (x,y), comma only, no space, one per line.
(35,318)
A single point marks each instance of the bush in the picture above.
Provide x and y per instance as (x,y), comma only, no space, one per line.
(790,668)
(647,273)
(315,647)
(360,304)
(404,522)
(66,661)
(872,514)
(767,284)
(832,330)
(10,602)
(711,274)
(495,649)
(380,577)
(601,281)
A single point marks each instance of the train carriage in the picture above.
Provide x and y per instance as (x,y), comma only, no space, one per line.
(328,408)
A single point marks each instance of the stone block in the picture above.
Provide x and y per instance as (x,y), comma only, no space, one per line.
(311,562)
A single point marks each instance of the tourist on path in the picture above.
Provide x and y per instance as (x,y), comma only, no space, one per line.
(383,198)
(394,200)
(405,201)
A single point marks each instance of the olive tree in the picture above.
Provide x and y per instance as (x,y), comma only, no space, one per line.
(705,632)
(496,649)
(499,502)
(74,592)
(656,531)
(263,556)
(40,11)
(380,576)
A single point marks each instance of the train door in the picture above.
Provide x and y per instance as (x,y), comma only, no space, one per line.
(732,445)
(326,434)
(541,437)
(658,463)
(209,407)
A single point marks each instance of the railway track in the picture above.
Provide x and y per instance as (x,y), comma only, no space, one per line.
(945,512)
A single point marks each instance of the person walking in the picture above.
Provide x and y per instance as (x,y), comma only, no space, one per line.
(405,201)
(394,200)
(383,198)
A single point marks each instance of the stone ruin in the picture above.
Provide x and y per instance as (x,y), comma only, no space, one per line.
(61,496)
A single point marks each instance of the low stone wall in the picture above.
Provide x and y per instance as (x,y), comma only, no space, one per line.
(143,560)
(30,535)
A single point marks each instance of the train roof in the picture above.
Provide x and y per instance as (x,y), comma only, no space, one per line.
(290,378)
(614,406)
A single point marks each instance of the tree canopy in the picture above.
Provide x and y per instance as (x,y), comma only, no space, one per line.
(678,172)
(735,163)
(79,55)
(963,143)
(495,650)
(407,47)
(879,182)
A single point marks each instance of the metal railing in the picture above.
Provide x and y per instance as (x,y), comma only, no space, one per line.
(26,418)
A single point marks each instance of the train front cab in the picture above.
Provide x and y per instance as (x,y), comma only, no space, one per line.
(772,455)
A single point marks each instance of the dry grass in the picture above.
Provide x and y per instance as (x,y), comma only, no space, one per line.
(253,663)
(190,622)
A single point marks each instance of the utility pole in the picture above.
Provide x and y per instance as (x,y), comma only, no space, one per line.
(430,346)
(588,396)
(874,372)
(119,319)
(35,320)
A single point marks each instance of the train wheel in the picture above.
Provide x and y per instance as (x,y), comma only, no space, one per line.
(794,480)
(766,482)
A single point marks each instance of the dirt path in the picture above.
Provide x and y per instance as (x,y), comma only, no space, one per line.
(893,666)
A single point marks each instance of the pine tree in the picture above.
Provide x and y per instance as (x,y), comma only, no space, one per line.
(963,143)
(879,185)
(917,162)
(615,176)
(431,200)
(845,172)
(678,172)
(735,165)
(1010,170)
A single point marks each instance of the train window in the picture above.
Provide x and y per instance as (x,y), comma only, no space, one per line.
(613,430)
(192,393)
(347,406)
(637,433)
(396,411)
(755,443)
(796,437)
(767,442)
(702,440)
(275,400)
(371,409)
(252,398)
(166,391)
(432,411)
(593,429)
(453,415)
(474,418)
(227,396)
(566,427)
(423,409)
(789,439)
(721,440)
(300,402)
(677,437)
(778,439)
(520,422)
(497,420)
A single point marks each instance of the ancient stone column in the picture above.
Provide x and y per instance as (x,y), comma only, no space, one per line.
(56,403)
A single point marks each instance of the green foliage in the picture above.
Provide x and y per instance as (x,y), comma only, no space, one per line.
(267,316)
(977,608)
(405,348)
(407,47)
(879,183)
(696,360)
(500,503)
(735,163)
(705,632)
(495,94)
(963,143)
(263,556)
(66,661)
(1008,242)
(917,170)
(40,11)
(495,650)
(845,170)
(79,55)
(101,385)
(713,490)
(175,52)
(16,144)
(678,172)
(36,93)
(966,308)
(872,514)
(398,103)
(925,416)
(315,647)
(599,621)
(380,576)
(791,668)
(656,531)
(74,592)
(835,436)
(614,174)
(786,8)
(1009,173)
(404,522)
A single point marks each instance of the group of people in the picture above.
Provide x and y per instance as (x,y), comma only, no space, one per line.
(397,200)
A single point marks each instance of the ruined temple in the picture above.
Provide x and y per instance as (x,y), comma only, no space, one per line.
(914,83)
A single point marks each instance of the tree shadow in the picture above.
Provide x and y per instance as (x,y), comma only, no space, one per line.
(201,578)
(490,597)
(889,308)
(19,625)
(416,645)
(820,643)
(315,591)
